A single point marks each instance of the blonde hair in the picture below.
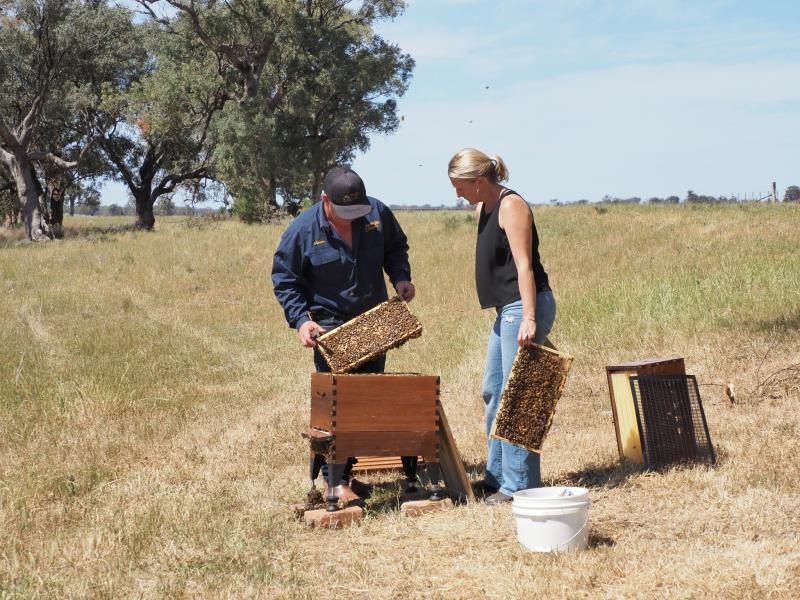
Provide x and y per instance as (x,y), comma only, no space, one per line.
(470,163)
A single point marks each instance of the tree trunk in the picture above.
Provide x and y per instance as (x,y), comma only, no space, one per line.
(316,186)
(273,198)
(71,205)
(273,191)
(270,194)
(42,198)
(145,218)
(15,214)
(57,214)
(22,172)
(56,186)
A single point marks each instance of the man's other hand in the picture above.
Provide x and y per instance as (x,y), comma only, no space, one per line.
(309,332)
(406,290)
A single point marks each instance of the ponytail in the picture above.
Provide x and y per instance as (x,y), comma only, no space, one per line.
(470,163)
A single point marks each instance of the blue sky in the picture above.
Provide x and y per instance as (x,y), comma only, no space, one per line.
(584,98)
(594,97)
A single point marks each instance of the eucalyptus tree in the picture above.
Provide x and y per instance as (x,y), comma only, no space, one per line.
(163,141)
(78,192)
(309,81)
(338,84)
(351,79)
(59,58)
(57,185)
(244,36)
(251,40)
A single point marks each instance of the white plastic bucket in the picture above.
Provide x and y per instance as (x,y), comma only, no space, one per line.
(552,519)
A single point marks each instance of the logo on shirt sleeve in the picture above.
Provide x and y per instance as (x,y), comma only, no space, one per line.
(372,226)
(319,242)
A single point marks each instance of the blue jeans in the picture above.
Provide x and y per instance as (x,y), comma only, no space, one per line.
(510,468)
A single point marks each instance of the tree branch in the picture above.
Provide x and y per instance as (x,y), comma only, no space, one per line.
(219,103)
(38,155)
(170,182)
(160,20)
(8,138)
(249,64)
(121,166)
(27,126)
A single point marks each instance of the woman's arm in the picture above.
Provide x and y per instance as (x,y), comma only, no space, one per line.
(515,219)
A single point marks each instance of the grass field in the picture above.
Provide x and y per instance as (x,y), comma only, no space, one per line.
(151,399)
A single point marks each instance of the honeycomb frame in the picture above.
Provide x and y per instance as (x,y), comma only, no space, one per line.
(353,343)
(531,393)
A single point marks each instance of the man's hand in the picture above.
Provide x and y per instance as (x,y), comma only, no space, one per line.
(309,332)
(406,290)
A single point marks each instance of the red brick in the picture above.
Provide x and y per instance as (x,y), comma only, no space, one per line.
(323,519)
(422,507)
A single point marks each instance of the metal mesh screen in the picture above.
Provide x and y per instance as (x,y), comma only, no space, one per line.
(672,424)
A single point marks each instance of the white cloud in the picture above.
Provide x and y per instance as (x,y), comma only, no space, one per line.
(623,131)
(429,45)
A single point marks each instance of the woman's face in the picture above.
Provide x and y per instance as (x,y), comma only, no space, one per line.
(468,189)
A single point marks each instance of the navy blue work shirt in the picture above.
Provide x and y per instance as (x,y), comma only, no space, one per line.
(317,276)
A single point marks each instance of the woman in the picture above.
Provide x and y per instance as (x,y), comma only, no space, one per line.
(510,278)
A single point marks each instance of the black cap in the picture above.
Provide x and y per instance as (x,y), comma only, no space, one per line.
(344,187)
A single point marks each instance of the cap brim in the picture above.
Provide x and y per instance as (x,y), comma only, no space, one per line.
(351,211)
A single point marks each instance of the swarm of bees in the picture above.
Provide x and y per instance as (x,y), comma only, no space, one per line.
(529,399)
(369,335)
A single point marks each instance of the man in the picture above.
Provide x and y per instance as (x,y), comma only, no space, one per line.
(329,267)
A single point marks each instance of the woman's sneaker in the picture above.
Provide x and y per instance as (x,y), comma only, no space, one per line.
(498,498)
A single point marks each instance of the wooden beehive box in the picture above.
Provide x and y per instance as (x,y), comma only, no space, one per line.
(369,335)
(376,415)
(529,399)
(626,426)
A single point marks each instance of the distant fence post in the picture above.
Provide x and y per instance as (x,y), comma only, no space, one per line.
(774,192)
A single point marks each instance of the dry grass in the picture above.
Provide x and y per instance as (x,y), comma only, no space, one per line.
(11,235)
(152,397)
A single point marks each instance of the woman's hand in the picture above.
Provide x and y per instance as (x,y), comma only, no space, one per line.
(527,331)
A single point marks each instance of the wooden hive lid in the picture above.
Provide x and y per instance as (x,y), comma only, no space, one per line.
(634,364)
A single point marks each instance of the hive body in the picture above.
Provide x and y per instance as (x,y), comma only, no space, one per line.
(375,415)
(629,443)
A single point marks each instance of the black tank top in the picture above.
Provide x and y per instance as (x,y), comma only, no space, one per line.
(495,271)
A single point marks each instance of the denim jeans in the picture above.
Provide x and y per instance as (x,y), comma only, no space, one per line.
(510,468)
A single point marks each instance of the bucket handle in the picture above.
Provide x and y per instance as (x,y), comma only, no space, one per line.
(577,533)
